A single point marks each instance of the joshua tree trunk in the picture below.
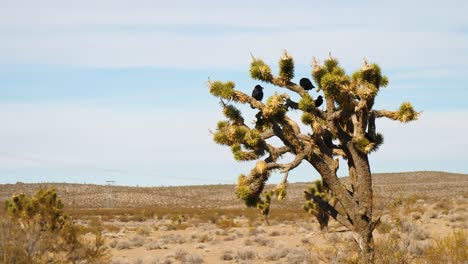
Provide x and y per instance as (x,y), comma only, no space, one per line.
(345,129)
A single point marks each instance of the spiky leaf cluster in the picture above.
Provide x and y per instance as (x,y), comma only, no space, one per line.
(330,77)
(307,118)
(368,81)
(263,204)
(44,205)
(259,70)
(275,108)
(223,90)
(307,104)
(249,188)
(233,114)
(233,133)
(286,67)
(366,145)
(311,207)
(406,113)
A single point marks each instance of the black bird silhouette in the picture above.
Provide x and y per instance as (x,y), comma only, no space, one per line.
(257,93)
(319,101)
(306,84)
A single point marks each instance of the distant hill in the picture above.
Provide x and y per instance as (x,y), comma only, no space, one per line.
(424,183)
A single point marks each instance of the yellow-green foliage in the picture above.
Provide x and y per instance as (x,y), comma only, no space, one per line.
(306,103)
(332,83)
(372,74)
(363,144)
(233,113)
(317,73)
(244,192)
(36,230)
(274,108)
(406,113)
(307,118)
(222,89)
(330,77)
(44,205)
(313,208)
(259,70)
(241,155)
(286,67)
(368,80)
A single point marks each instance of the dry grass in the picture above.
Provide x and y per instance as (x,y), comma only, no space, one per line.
(183,231)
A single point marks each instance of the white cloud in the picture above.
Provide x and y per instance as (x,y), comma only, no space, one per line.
(126,33)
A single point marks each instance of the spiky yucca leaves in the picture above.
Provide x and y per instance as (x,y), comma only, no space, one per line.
(249,188)
(286,67)
(311,207)
(223,90)
(246,144)
(368,81)
(264,205)
(259,70)
(406,113)
(44,205)
(275,108)
(233,114)
(307,103)
(368,145)
(330,77)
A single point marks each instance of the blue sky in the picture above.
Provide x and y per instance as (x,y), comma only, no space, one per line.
(116,90)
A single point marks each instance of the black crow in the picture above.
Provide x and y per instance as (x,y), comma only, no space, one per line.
(257,93)
(306,84)
(319,101)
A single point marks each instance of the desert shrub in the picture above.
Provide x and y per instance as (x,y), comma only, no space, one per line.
(245,254)
(123,244)
(227,255)
(138,241)
(44,233)
(113,243)
(384,228)
(172,239)
(263,242)
(112,228)
(276,254)
(274,233)
(416,215)
(153,245)
(450,249)
(143,231)
(193,259)
(300,256)
(389,250)
(226,223)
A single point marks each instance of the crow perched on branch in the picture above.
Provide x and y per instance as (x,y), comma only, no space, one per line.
(306,84)
(319,101)
(257,93)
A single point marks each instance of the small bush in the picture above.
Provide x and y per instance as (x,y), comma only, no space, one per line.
(123,244)
(138,241)
(246,254)
(227,255)
(450,249)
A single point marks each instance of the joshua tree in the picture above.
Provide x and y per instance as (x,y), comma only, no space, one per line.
(320,190)
(345,129)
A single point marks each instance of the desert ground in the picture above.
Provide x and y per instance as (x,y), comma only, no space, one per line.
(420,211)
